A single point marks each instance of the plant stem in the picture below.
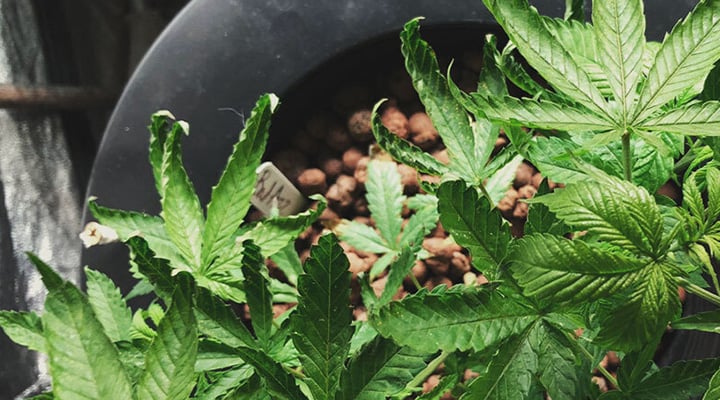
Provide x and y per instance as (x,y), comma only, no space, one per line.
(698,291)
(627,157)
(425,373)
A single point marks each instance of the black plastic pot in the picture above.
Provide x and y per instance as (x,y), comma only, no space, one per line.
(219,55)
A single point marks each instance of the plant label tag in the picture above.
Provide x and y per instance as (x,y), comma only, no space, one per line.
(274,190)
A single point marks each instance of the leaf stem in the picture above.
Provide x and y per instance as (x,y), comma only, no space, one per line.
(486,194)
(294,372)
(627,159)
(698,291)
(429,369)
(415,281)
(613,381)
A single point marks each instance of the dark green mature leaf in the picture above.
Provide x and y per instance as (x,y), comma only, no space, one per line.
(257,291)
(474,225)
(23,328)
(620,32)
(558,270)
(385,199)
(529,33)
(697,119)
(161,123)
(536,114)
(687,55)
(278,382)
(217,321)
(231,197)
(708,321)
(404,151)
(645,314)
(557,363)
(50,278)
(380,369)
(83,362)
(170,359)
(181,209)
(516,73)
(130,223)
(621,213)
(491,81)
(322,320)
(681,380)
(510,372)
(713,391)
(453,319)
(156,270)
(448,116)
(109,306)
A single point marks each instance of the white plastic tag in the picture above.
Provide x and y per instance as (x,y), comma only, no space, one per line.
(273,189)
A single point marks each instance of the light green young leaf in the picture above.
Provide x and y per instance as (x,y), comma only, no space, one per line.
(620,33)
(382,263)
(682,380)
(622,214)
(170,359)
(380,369)
(161,123)
(545,53)
(225,383)
(448,116)
(273,234)
(231,197)
(110,308)
(278,382)
(574,10)
(402,150)
(536,114)
(499,182)
(321,323)
(509,374)
(708,321)
(697,119)
(422,221)
(257,292)
(474,225)
(453,319)
(713,391)
(558,270)
(362,237)
(84,364)
(385,199)
(181,209)
(130,223)
(213,355)
(399,269)
(288,261)
(217,321)
(23,328)
(686,56)
(51,279)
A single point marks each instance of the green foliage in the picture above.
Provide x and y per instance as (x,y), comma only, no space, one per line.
(614,119)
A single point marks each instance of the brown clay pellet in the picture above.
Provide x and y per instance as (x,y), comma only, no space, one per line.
(312,181)
(395,121)
(360,126)
(332,167)
(523,175)
(350,159)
